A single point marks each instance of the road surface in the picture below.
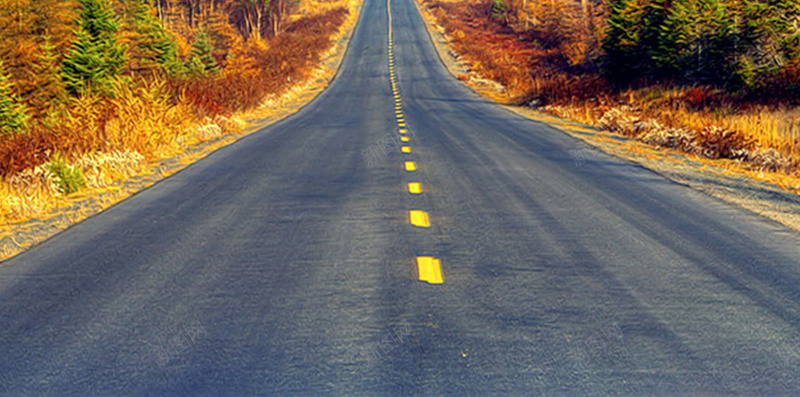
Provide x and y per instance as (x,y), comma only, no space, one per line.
(285,263)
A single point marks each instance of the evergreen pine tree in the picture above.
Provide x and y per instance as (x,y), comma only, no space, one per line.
(201,61)
(151,47)
(13,115)
(48,85)
(769,38)
(653,16)
(697,41)
(95,57)
(623,59)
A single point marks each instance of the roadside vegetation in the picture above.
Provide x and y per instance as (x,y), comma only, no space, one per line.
(91,91)
(715,78)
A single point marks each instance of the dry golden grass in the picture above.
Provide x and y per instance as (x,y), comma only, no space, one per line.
(697,120)
(129,135)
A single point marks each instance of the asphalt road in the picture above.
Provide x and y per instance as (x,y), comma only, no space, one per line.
(284,264)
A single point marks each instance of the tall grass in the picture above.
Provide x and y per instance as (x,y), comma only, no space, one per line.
(95,139)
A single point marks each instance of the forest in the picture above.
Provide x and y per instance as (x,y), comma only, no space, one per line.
(92,89)
(716,78)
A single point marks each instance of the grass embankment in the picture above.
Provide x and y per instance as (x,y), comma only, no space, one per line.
(87,151)
(538,68)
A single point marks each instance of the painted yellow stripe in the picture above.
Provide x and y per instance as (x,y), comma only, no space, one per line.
(415,188)
(401,120)
(404,139)
(411,166)
(402,131)
(430,270)
(401,124)
(405,149)
(419,218)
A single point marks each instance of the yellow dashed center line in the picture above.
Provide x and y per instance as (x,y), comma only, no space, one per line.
(429,269)
(419,218)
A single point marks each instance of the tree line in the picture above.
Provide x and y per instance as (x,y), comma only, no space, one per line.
(54,50)
(738,44)
(745,46)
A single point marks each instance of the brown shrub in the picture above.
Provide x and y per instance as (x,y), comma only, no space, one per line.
(285,59)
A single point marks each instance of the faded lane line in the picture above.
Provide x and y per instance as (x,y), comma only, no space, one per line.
(429,269)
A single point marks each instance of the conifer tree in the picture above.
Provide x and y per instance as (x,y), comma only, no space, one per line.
(95,57)
(769,38)
(151,48)
(47,82)
(201,61)
(697,41)
(13,115)
(623,58)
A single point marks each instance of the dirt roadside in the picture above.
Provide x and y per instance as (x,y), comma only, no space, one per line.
(767,194)
(17,237)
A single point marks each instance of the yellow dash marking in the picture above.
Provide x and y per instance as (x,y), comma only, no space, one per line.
(401,124)
(414,188)
(404,138)
(430,270)
(405,149)
(419,218)
(411,166)
(402,131)
(400,120)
